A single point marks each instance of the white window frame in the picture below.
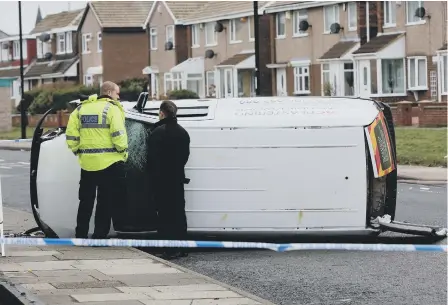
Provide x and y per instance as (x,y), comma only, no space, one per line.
(380,78)
(443,64)
(195,37)
(390,16)
(296,18)
(175,78)
(416,72)
(16,50)
(86,38)
(343,77)
(278,17)
(39,48)
(60,40)
(68,42)
(168,29)
(211,27)
(352,13)
(153,35)
(322,73)
(167,77)
(421,20)
(99,42)
(301,78)
(207,84)
(233,38)
(335,8)
(250,20)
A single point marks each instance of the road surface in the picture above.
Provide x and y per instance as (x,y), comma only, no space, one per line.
(311,278)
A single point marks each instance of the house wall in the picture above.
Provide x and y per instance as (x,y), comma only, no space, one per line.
(94,58)
(29,55)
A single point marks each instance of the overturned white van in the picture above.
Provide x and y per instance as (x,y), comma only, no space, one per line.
(262,165)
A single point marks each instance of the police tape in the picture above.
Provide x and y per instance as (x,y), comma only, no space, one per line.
(16,141)
(218,244)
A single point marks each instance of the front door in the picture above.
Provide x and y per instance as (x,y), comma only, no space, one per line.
(364,78)
(228,83)
(281,82)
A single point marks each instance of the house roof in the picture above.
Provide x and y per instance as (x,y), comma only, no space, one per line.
(59,20)
(177,9)
(444,47)
(50,67)
(377,44)
(121,14)
(338,50)
(14,72)
(222,10)
(235,59)
(3,34)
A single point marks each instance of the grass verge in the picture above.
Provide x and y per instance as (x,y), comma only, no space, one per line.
(421,146)
(16,133)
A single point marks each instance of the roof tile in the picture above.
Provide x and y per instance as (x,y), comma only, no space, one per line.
(339,49)
(57,66)
(183,9)
(121,13)
(235,59)
(14,72)
(58,20)
(376,44)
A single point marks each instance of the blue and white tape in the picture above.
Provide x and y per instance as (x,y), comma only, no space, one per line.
(219,244)
(16,141)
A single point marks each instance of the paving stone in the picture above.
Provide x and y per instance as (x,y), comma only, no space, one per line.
(143,280)
(39,286)
(75,255)
(105,264)
(87,284)
(77,291)
(57,299)
(31,253)
(197,287)
(232,301)
(109,297)
(139,269)
(22,259)
(47,265)
(93,273)
(54,279)
(132,302)
(166,302)
(19,274)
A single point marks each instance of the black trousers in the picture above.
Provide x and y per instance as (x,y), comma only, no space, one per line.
(111,188)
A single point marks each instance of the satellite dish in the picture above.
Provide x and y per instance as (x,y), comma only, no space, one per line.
(219,27)
(48,55)
(420,12)
(304,25)
(169,45)
(335,28)
(44,37)
(210,54)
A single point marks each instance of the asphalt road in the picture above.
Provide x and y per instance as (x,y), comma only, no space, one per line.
(317,277)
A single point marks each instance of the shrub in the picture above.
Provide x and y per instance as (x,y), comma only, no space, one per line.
(182,95)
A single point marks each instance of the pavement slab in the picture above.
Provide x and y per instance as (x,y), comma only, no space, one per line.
(125,276)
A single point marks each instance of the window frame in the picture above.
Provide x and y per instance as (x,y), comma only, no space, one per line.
(68,42)
(296,75)
(99,42)
(86,38)
(207,84)
(153,35)
(277,20)
(416,72)
(383,93)
(421,20)
(16,49)
(233,38)
(211,26)
(392,14)
(444,82)
(251,21)
(60,39)
(352,7)
(296,19)
(352,70)
(171,28)
(336,13)
(195,37)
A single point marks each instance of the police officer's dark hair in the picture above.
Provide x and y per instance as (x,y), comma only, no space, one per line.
(169,109)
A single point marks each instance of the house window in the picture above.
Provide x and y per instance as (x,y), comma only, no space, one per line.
(390,15)
(331,15)
(417,73)
(16,50)
(433,84)
(167,79)
(195,35)
(349,79)
(99,41)
(42,48)
(68,42)
(170,34)
(172,81)
(61,43)
(411,7)
(153,38)
(86,38)
(210,83)
(392,73)
(352,16)
(298,16)
(251,29)
(280,25)
(326,80)
(211,37)
(235,29)
(88,80)
(3,52)
(195,83)
(444,60)
(301,80)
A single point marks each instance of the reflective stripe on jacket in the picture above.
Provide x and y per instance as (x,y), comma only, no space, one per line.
(96,133)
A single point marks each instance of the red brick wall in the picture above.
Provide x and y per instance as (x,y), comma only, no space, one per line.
(52,120)
(425,114)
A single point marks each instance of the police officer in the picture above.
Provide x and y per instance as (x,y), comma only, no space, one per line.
(168,152)
(96,134)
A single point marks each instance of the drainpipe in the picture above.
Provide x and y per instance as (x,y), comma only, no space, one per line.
(367,21)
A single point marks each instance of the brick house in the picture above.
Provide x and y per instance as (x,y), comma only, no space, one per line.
(113,41)
(56,48)
(206,47)
(325,48)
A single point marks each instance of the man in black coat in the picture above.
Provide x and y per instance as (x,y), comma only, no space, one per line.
(168,152)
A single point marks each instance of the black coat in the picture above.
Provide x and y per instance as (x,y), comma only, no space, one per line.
(168,152)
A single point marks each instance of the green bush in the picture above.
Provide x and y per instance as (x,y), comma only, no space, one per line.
(182,95)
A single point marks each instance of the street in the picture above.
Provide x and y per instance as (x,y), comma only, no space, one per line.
(310,277)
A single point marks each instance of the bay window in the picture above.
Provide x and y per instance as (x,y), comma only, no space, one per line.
(392,73)
(302,80)
(195,83)
(417,73)
(172,81)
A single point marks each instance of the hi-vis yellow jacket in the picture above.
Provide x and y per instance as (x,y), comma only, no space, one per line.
(96,133)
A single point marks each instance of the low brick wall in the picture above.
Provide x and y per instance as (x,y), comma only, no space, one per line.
(51,121)
(423,114)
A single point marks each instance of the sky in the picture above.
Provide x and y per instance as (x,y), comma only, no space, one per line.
(9,22)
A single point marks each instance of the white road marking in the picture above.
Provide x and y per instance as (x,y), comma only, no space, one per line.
(5,167)
(26,163)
